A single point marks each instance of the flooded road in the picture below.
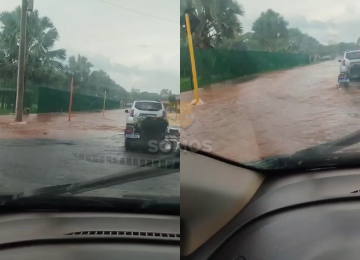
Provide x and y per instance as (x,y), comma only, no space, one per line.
(276,113)
(48,150)
(56,125)
(34,163)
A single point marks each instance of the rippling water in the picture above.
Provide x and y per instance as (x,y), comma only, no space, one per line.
(276,113)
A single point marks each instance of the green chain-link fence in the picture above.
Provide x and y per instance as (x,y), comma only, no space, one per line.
(216,65)
(8,100)
(54,100)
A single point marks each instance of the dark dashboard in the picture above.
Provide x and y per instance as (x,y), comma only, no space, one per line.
(311,215)
(120,229)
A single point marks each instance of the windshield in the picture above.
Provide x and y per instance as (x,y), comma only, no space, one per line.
(268,76)
(70,73)
(148,106)
(353,55)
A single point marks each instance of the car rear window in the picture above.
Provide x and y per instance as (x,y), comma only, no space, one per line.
(148,106)
(353,55)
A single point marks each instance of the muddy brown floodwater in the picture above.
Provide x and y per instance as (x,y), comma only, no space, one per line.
(56,125)
(276,113)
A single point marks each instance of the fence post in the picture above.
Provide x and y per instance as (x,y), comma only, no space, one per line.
(71,97)
(104,103)
(192,58)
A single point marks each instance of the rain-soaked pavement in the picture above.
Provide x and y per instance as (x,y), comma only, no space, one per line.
(276,113)
(48,150)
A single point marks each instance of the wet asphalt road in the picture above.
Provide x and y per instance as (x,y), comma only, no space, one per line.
(33,163)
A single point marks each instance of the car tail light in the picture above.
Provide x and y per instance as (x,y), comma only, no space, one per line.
(341,76)
(132,112)
(343,62)
(129,129)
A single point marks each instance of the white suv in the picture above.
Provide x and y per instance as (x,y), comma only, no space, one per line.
(145,108)
(349,68)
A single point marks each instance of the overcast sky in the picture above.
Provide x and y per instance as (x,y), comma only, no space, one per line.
(136,50)
(143,52)
(336,20)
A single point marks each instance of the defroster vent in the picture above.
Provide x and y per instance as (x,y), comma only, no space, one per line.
(126,233)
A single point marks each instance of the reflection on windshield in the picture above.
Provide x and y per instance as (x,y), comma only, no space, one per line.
(66,90)
(269,77)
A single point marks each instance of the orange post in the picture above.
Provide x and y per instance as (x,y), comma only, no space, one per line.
(71,97)
(104,103)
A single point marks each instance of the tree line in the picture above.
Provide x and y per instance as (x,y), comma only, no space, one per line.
(219,26)
(47,66)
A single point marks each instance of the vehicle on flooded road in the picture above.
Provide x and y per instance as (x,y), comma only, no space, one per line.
(146,124)
(349,69)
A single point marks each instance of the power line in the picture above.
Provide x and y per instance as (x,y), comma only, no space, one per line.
(134,11)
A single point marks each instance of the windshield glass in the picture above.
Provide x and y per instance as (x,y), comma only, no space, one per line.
(148,106)
(70,72)
(270,76)
(353,55)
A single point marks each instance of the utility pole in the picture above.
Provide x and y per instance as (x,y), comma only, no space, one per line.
(104,103)
(21,64)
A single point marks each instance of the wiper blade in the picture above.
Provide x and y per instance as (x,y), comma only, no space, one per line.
(306,162)
(330,147)
(145,171)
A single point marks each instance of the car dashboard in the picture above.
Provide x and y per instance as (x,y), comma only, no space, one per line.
(89,236)
(309,215)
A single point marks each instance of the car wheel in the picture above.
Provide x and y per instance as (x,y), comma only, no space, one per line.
(128,146)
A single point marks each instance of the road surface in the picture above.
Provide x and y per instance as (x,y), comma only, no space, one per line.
(276,113)
(74,152)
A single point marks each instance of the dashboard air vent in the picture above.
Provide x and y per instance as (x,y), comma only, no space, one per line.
(124,233)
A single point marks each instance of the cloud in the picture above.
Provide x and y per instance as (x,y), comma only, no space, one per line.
(325,20)
(135,49)
(150,80)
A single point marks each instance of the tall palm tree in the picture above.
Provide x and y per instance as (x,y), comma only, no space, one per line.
(41,58)
(79,68)
(218,20)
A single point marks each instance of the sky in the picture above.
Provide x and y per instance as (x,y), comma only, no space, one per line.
(326,20)
(141,51)
(136,50)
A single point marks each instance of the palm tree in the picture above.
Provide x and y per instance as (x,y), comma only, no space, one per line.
(79,68)
(271,30)
(41,58)
(219,20)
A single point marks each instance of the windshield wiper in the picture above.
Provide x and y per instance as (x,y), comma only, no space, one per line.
(145,171)
(318,156)
(331,147)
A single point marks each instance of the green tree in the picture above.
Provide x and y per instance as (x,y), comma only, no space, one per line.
(80,69)
(165,93)
(172,98)
(42,60)
(99,80)
(247,41)
(219,20)
(271,30)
